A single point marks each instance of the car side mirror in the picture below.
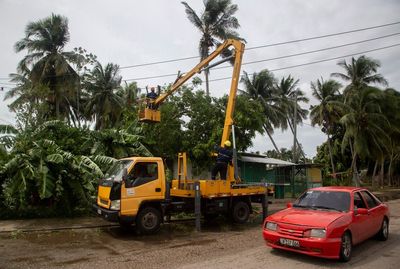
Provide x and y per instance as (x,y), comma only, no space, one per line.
(361,211)
(289,205)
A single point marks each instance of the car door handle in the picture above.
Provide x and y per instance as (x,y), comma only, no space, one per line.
(158,189)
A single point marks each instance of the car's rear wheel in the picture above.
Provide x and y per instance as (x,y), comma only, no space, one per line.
(383,233)
(346,247)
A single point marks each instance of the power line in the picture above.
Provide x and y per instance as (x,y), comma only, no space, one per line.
(270,45)
(258,61)
(319,61)
(160,62)
(324,36)
(314,51)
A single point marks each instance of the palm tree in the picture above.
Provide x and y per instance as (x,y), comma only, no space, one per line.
(103,103)
(327,113)
(390,104)
(366,128)
(290,96)
(48,64)
(360,73)
(215,24)
(260,88)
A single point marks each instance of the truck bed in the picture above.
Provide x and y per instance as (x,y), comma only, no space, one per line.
(215,188)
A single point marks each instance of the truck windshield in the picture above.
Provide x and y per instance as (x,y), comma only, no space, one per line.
(324,200)
(115,171)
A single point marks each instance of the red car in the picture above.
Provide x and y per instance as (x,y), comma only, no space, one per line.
(327,222)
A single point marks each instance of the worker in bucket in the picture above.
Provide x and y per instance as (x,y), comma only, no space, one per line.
(151,96)
(224,158)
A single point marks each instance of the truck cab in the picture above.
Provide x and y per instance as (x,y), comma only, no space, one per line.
(132,191)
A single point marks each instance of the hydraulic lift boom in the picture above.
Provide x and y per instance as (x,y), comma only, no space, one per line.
(151,112)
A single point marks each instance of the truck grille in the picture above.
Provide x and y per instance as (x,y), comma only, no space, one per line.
(104,202)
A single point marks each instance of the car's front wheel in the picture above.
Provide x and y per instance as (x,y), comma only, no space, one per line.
(383,233)
(346,247)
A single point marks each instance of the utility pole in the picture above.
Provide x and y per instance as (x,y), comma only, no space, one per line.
(295,130)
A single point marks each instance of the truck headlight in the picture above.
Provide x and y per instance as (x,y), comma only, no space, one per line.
(318,233)
(270,226)
(115,205)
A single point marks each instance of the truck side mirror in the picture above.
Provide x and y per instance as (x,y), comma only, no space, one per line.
(124,174)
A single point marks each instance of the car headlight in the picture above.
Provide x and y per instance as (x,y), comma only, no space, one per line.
(318,233)
(271,226)
(115,204)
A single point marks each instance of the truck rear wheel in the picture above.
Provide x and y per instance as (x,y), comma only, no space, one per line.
(148,220)
(240,212)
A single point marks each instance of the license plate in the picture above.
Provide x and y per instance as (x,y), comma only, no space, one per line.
(289,242)
(99,211)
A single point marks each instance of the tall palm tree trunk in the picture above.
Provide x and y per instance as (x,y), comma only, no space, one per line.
(331,156)
(356,180)
(390,169)
(273,141)
(382,172)
(374,173)
(297,141)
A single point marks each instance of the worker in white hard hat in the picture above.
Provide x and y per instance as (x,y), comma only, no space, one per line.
(223,159)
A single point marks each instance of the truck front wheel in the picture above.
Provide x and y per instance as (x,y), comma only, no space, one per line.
(240,212)
(148,220)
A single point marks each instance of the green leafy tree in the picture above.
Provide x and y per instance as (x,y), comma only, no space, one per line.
(118,143)
(41,172)
(216,24)
(165,139)
(53,169)
(248,119)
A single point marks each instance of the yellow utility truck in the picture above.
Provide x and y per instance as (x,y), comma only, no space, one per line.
(136,191)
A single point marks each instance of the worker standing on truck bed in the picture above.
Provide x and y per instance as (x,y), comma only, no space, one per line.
(223,159)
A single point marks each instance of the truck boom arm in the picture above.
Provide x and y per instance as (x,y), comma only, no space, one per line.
(238,54)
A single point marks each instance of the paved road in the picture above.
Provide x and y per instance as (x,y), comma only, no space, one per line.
(177,246)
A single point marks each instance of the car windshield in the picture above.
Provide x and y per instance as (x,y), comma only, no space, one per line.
(324,200)
(115,171)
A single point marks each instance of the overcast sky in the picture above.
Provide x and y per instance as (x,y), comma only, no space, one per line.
(135,32)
